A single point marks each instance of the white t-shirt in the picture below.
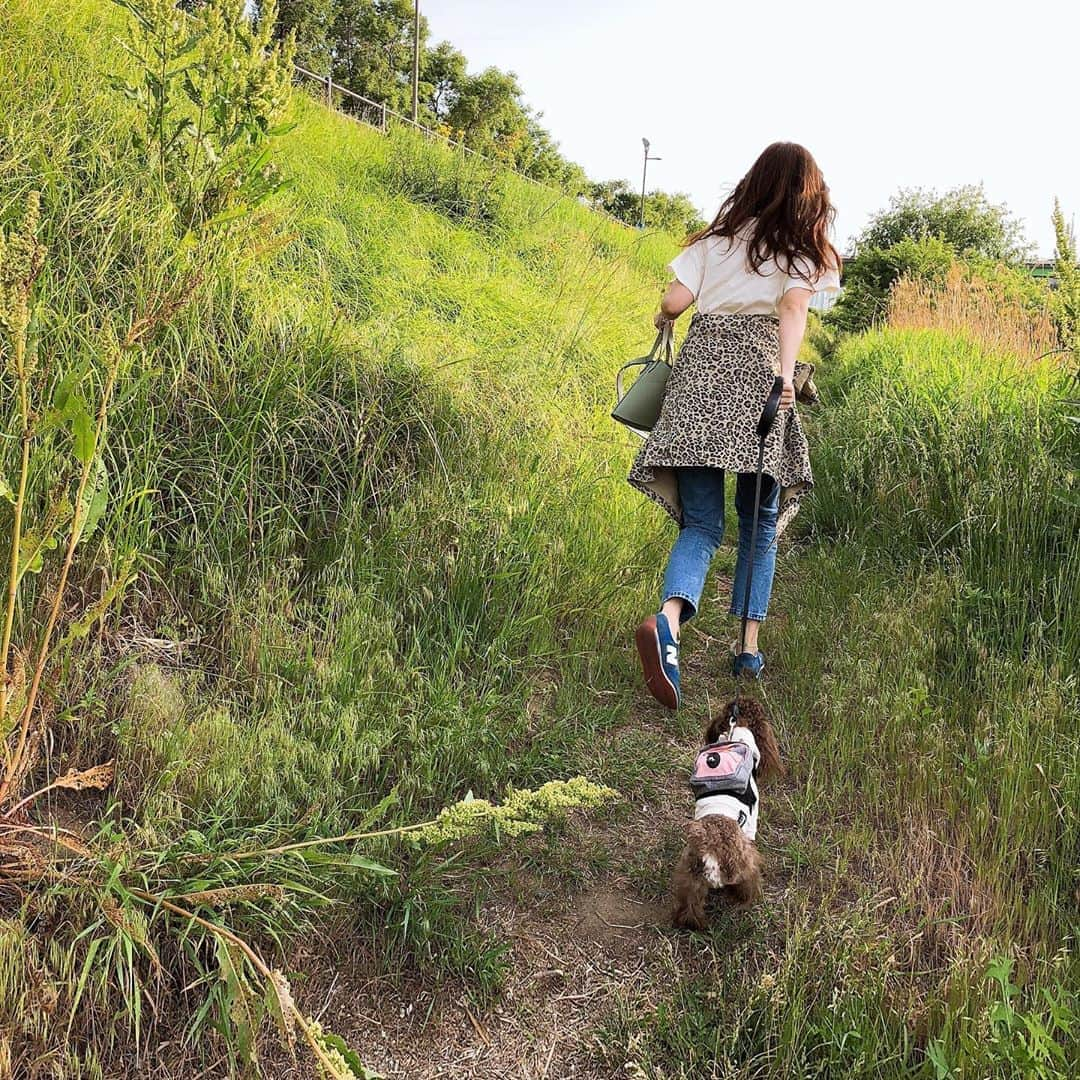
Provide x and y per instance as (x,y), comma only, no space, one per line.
(715,270)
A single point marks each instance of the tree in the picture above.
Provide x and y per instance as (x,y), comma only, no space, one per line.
(540,158)
(963,218)
(616,198)
(442,75)
(367,47)
(312,21)
(487,113)
(372,43)
(674,213)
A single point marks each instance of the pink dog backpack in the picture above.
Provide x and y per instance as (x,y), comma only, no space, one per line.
(724,768)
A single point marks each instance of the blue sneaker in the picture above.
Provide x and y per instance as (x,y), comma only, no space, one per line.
(659,652)
(749,664)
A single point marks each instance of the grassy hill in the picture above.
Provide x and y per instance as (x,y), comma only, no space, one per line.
(385,557)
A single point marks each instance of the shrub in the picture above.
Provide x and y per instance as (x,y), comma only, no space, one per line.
(873,272)
(919,235)
(963,218)
(965,286)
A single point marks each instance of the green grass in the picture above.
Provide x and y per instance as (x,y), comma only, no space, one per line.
(927,696)
(365,504)
(386,549)
(942,451)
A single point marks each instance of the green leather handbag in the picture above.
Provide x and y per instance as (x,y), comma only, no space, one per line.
(638,407)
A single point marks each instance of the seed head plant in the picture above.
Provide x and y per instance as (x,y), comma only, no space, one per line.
(1067,298)
(209,88)
(966,302)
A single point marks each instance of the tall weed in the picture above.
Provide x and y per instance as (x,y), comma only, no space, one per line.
(207,89)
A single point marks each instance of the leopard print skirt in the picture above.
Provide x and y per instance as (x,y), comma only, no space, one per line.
(721,379)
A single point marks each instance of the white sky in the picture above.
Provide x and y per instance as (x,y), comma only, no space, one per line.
(910,93)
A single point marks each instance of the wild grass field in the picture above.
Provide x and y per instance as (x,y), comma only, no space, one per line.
(382,557)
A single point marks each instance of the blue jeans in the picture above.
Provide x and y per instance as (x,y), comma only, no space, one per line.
(701,491)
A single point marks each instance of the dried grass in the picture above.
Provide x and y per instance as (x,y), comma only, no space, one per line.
(971,305)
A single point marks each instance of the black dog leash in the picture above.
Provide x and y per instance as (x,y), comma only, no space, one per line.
(764,426)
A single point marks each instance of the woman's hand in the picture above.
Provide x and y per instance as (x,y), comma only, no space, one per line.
(787,395)
(662,321)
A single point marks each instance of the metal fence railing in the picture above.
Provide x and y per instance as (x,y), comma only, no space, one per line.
(376,114)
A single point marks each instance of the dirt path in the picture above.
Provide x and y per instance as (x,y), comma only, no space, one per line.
(565,970)
(576,954)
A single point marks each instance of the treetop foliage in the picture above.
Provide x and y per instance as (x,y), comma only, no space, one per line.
(674,213)
(921,234)
(962,217)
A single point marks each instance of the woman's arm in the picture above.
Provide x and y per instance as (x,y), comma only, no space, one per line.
(675,301)
(794,305)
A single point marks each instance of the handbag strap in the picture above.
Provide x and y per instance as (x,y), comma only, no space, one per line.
(664,339)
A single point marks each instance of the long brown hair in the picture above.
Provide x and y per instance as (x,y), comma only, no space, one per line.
(786,198)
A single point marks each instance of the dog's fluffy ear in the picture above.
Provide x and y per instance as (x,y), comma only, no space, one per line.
(719,725)
(751,715)
(771,762)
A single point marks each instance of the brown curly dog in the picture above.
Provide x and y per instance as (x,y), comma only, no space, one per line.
(720,851)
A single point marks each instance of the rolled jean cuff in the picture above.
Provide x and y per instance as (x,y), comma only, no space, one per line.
(753,615)
(689,609)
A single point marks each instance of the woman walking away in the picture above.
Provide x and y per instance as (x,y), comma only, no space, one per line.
(751,274)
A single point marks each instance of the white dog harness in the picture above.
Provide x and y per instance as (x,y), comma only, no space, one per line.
(723,780)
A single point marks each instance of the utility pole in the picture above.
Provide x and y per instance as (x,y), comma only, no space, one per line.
(644,171)
(416,63)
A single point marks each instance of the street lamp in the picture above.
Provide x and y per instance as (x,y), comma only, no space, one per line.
(644,170)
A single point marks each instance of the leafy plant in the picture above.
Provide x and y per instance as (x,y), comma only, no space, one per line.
(209,88)
(1031,1043)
